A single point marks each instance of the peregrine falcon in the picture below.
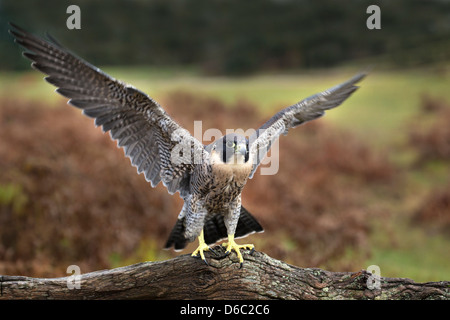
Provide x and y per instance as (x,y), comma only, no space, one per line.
(208,178)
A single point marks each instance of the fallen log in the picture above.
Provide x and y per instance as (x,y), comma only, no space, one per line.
(185,277)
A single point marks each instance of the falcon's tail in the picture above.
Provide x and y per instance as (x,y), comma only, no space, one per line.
(214,229)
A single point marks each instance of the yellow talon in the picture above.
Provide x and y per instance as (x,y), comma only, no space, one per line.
(202,246)
(232,245)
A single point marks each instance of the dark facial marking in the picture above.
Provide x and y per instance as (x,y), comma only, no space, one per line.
(224,151)
(246,154)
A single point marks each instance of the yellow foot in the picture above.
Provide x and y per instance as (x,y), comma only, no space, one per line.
(232,245)
(202,246)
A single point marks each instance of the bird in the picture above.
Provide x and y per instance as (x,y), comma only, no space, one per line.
(209,178)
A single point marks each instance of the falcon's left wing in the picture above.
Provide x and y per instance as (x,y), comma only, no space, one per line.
(306,110)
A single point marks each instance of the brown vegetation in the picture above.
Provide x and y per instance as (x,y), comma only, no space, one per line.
(69,196)
(434,212)
(430,137)
(430,131)
(79,198)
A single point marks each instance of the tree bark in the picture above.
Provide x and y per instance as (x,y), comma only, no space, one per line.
(184,277)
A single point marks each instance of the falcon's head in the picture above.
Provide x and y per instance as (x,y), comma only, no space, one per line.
(231,149)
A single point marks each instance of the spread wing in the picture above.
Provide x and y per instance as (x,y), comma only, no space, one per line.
(150,138)
(308,109)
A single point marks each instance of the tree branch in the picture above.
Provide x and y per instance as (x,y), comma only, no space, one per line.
(187,278)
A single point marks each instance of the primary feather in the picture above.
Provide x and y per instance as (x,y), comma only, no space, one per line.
(138,123)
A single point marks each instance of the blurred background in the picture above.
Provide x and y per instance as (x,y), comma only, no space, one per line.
(367,184)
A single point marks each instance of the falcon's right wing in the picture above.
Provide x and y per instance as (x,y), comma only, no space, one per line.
(155,144)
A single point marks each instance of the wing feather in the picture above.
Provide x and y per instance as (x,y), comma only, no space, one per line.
(306,110)
(137,122)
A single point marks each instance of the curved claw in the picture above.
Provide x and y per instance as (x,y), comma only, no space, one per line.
(202,246)
(213,251)
(200,250)
(232,245)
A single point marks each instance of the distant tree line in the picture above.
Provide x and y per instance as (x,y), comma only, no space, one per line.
(234,36)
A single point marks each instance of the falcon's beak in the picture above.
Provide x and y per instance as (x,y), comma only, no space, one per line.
(241,148)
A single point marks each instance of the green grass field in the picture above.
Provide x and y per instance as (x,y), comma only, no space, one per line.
(378,113)
(378,110)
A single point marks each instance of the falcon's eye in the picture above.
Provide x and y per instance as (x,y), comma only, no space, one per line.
(230,144)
